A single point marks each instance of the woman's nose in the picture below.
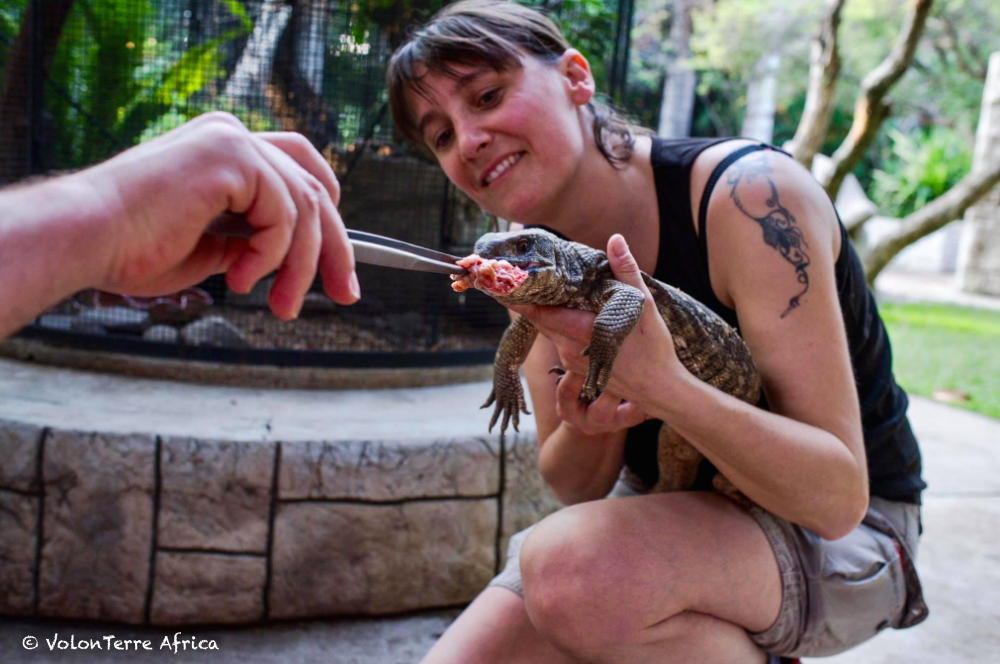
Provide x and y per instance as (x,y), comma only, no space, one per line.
(472,139)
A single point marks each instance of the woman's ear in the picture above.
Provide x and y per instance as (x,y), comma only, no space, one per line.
(579,81)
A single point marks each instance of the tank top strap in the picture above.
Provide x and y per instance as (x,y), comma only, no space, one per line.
(713,180)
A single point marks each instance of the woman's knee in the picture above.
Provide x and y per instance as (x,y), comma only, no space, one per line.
(572,567)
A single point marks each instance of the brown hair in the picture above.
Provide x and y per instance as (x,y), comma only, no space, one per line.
(492,33)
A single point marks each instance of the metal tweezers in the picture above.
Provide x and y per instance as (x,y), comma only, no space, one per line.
(368,247)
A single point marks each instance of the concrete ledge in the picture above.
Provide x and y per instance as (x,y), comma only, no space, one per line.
(241,375)
(149,501)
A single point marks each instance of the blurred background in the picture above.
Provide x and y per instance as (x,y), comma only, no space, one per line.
(881,100)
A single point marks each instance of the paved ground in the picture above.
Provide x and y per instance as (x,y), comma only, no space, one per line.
(898,285)
(958,561)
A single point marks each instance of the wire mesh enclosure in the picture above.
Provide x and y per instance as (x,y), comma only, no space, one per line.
(81,80)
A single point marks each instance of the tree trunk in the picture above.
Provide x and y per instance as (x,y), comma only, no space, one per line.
(253,70)
(936,214)
(871,108)
(15,95)
(759,121)
(979,259)
(309,26)
(678,92)
(298,80)
(824,69)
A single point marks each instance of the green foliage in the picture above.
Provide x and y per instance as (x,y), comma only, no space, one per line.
(126,74)
(942,347)
(237,9)
(10,19)
(732,35)
(922,166)
(589,25)
(198,66)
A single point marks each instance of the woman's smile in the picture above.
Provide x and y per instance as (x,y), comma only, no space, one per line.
(498,170)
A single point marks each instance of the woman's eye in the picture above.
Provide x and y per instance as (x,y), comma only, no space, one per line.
(442,139)
(489,97)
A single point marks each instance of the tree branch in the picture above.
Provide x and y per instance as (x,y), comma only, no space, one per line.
(824,69)
(956,45)
(15,86)
(946,208)
(871,108)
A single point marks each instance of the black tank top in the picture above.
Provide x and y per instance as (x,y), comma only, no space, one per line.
(892,451)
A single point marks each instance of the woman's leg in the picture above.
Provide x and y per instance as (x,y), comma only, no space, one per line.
(494,629)
(663,578)
(627,580)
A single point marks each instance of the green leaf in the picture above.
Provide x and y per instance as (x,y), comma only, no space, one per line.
(197,67)
(237,9)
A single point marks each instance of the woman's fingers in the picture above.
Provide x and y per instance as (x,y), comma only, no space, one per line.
(605,414)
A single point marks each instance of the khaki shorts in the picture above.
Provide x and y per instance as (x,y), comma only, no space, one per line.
(835,595)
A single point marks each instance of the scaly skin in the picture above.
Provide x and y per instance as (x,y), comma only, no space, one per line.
(570,274)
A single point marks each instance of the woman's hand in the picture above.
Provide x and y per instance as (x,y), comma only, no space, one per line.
(606,414)
(644,360)
(155,201)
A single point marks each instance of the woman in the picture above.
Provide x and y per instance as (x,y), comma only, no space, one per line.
(497,96)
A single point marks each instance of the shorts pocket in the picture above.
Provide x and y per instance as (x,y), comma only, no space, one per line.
(860,592)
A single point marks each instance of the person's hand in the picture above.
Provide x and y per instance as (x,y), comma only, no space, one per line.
(646,358)
(156,199)
(606,414)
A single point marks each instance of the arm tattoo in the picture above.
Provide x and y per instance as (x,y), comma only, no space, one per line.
(777,222)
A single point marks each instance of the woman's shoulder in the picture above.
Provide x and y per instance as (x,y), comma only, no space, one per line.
(765,211)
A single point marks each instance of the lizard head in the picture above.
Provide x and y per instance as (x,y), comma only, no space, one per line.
(532,250)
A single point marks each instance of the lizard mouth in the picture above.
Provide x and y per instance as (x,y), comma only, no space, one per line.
(496,277)
(529,265)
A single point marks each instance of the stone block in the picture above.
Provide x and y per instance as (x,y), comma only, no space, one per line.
(389,470)
(214,331)
(203,588)
(98,525)
(215,494)
(163,334)
(526,497)
(341,558)
(18,540)
(117,319)
(19,455)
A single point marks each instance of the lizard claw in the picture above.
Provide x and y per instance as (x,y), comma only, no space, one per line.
(597,379)
(509,402)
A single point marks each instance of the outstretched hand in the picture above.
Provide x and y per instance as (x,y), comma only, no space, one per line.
(157,199)
(646,357)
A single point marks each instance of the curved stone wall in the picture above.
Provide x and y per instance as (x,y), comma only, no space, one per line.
(145,501)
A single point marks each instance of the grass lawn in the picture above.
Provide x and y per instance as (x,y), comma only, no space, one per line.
(942,347)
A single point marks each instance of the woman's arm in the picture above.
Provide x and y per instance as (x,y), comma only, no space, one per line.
(805,461)
(577,466)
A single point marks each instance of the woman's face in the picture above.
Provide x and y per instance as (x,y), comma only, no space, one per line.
(510,140)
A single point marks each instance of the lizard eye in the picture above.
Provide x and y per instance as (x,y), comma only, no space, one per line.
(522,246)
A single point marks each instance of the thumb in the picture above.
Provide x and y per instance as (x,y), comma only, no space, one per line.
(623,264)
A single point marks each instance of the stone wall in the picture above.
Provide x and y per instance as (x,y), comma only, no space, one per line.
(169,530)
(979,255)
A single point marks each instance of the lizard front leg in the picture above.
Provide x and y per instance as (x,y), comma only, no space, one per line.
(507,390)
(619,315)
